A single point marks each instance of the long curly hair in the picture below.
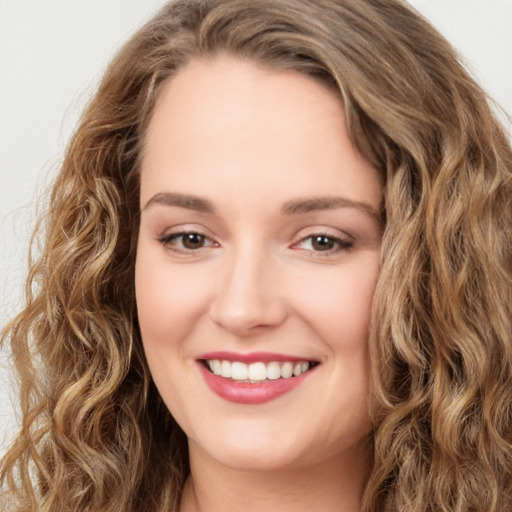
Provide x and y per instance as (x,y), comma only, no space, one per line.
(96,436)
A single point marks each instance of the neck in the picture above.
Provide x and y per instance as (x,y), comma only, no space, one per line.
(333,485)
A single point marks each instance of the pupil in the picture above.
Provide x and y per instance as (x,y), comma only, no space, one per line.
(323,243)
(193,240)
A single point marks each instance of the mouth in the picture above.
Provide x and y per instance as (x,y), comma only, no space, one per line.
(253,379)
(257,372)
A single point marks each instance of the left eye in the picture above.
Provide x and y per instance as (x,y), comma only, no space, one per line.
(188,241)
(323,243)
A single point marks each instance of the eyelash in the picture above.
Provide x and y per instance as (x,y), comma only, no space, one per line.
(339,245)
(167,241)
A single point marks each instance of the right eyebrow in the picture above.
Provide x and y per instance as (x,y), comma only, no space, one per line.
(182,201)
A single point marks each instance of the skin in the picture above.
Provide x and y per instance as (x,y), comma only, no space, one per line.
(257,146)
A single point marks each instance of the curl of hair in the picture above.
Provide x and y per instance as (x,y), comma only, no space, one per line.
(95,434)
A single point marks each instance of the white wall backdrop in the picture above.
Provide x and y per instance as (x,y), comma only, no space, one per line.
(52,53)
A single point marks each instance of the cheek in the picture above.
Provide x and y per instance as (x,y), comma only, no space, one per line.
(338,304)
(169,301)
(168,307)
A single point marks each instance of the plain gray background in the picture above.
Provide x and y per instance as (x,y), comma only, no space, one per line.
(52,53)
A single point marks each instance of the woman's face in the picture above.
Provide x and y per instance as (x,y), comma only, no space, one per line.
(257,257)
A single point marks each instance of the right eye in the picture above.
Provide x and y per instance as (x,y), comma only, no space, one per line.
(186,241)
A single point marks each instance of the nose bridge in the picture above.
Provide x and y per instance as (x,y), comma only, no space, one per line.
(248,293)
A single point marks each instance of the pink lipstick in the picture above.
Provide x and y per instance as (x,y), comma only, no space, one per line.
(254,378)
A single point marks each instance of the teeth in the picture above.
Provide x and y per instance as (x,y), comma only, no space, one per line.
(257,372)
(215,366)
(286,370)
(273,371)
(225,369)
(239,371)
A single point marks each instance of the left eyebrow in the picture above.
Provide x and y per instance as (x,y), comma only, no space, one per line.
(307,205)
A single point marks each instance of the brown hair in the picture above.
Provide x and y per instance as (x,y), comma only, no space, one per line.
(94,429)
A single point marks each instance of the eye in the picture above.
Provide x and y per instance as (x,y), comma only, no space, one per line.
(186,241)
(324,243)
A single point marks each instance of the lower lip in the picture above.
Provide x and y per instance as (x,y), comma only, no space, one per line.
(247,393)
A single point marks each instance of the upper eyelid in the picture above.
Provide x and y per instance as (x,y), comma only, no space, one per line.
(326,235)
(337,239)
(300,235)
(181,229)
(330,232)
(169,244)
(177,234)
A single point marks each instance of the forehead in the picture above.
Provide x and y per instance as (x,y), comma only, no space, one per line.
(224,90)
(225,118)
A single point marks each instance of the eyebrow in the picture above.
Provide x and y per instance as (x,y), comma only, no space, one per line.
(307,205)
(293,207)
(181,200)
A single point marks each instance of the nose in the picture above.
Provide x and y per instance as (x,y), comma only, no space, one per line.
(249,297)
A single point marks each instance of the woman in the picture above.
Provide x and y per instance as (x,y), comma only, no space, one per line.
(276,274)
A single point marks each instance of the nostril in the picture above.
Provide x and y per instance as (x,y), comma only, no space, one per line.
(248,297)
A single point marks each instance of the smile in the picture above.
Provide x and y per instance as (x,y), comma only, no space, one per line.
(258,371)
(254,378)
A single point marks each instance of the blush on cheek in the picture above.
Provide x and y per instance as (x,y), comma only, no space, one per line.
(341,308)
(167,302)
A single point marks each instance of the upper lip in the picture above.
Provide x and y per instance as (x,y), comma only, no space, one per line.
(253,357)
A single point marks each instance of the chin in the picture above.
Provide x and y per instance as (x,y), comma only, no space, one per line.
(256,458)
(266,447)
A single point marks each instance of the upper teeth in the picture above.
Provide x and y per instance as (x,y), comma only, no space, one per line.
(257,371)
